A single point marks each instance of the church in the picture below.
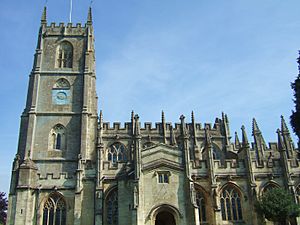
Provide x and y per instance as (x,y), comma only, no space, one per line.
(74,168)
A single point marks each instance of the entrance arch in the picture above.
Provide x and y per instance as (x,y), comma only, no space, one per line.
(164,214)
(165,218)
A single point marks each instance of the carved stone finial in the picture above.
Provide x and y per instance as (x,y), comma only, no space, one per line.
(172,136)
(208,141)
(101,118)
(182,117)
(237,141)
(162,117)
(281,145)
(255,128)
(137,125)
(284,128)
(245,141)
(44,16)
(193,117)
(89,18)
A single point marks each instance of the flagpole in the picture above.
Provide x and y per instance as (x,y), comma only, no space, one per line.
(71,6)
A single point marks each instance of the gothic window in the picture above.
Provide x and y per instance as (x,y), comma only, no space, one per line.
(200,201)
(58,137)
(64,55)
(231,205)
(54,210)
(117,153)
(112,208)
(268,187)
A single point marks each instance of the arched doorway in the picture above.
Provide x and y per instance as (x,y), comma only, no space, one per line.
(165,218)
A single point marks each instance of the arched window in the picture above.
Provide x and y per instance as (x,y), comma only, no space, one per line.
(61,83)
(54,211)
(64,55)
(268,187)
(200,201)
(231,205)
(58,137)
(112,208)
(117,153)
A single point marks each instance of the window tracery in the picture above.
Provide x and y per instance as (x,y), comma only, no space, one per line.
(200,202)
(112,208)
(64,55)
(54,210)
(231,205)
(58,137)
(62,83)
(117,153)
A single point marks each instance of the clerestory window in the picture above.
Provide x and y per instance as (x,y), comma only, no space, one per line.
(54,210)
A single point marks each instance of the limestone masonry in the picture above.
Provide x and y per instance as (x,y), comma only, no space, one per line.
(71,167)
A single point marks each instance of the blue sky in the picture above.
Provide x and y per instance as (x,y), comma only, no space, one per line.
(173,55)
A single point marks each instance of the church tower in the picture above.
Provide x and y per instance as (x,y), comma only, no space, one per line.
(58,128)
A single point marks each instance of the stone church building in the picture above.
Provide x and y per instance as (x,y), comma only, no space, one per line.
(73,168)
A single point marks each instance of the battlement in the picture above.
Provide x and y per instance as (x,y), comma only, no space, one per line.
(60,181)
(52,176)
(157,127)
(68,29)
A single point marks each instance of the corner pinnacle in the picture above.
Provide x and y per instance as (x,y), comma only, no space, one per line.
(44,16)
(89,18)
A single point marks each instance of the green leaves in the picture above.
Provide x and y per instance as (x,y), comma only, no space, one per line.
(3,208)
(277,205)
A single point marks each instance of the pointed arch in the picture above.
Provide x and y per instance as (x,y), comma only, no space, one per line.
(231,202)
(54,210)
(111,206)
(64,55)
(268,186)
(57,137)
(201,202)
(61,83)
(117,152)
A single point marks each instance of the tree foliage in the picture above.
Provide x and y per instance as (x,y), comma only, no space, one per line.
(295,117)
(277,205)
(3,208)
